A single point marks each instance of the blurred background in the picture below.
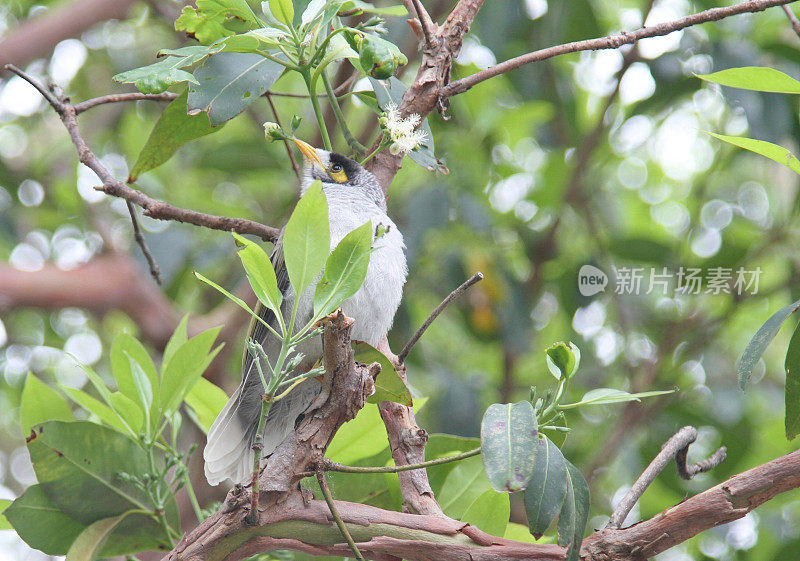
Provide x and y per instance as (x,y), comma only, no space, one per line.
(593,158)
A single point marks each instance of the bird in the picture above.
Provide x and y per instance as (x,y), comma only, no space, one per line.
(354,196)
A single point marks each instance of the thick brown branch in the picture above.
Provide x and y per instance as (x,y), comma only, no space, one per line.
(422,96)
(610,42)
(109,282)
(724,503)
(113,186)
(387,536)
(37,36)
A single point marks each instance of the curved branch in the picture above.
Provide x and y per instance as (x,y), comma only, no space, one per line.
(724,503)
(610,42)
(114,187)
(386,535)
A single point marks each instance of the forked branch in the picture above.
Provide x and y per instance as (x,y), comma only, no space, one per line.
(114,187)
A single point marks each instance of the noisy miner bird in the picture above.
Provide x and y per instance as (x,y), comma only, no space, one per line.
(354,197)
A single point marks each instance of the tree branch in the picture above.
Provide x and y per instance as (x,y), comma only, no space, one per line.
(793,19)
(107,282)
(609,42)
(387,536)
(422,96)
(36,37)
(401,358)
(724,503)
(114,187)
(676,447)
(118,98)
(155,272)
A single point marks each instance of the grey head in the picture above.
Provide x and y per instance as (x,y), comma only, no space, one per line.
(337,171)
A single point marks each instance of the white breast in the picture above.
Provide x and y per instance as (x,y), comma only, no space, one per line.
(374,305)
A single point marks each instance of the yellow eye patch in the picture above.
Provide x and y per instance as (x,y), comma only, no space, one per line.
(338,176)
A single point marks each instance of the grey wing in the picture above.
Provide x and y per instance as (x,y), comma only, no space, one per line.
(228,452)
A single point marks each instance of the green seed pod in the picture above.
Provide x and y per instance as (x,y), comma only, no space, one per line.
(380,58)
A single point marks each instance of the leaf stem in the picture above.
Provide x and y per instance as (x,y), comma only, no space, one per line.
(312,91)
(357,147)
(380,147)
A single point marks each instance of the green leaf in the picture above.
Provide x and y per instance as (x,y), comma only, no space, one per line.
(574,513)
(563,359)
(397,10)
(81,459)
(41,524)
(604,396)
(241,303)
(363,437)
(389,386)
(190,360)
(754,78)
(519,533)
(89,543)
(144,392)
(442,446)
(4,523)
(283,10)
(129,412)
(179,337)
(214,19)
(764,148)
(465,483)
(306,239)
(227,83)
(173,129)
(489,512)
(103,413)
(547,487)
(508,443)
(260,272)
(206,400)
(126,351)
(792,394)
(758,344)
(157,77)
(345,270)
(41,403)
(360,438)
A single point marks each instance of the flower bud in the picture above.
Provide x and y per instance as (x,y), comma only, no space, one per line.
(273,131)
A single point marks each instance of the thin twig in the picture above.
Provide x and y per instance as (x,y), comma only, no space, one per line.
(332,466)
(793,19)
(155,271)
(609,42)
(117,98)
(401,358)
(292,159)
(424,21)
(326,492)
(676,447)
(153,208)
(327,465)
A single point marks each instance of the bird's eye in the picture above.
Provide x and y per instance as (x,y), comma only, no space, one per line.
(336,168)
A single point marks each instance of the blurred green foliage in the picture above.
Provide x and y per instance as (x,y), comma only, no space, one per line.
(545,176)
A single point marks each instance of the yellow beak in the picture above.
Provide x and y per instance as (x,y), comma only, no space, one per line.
(308,151)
